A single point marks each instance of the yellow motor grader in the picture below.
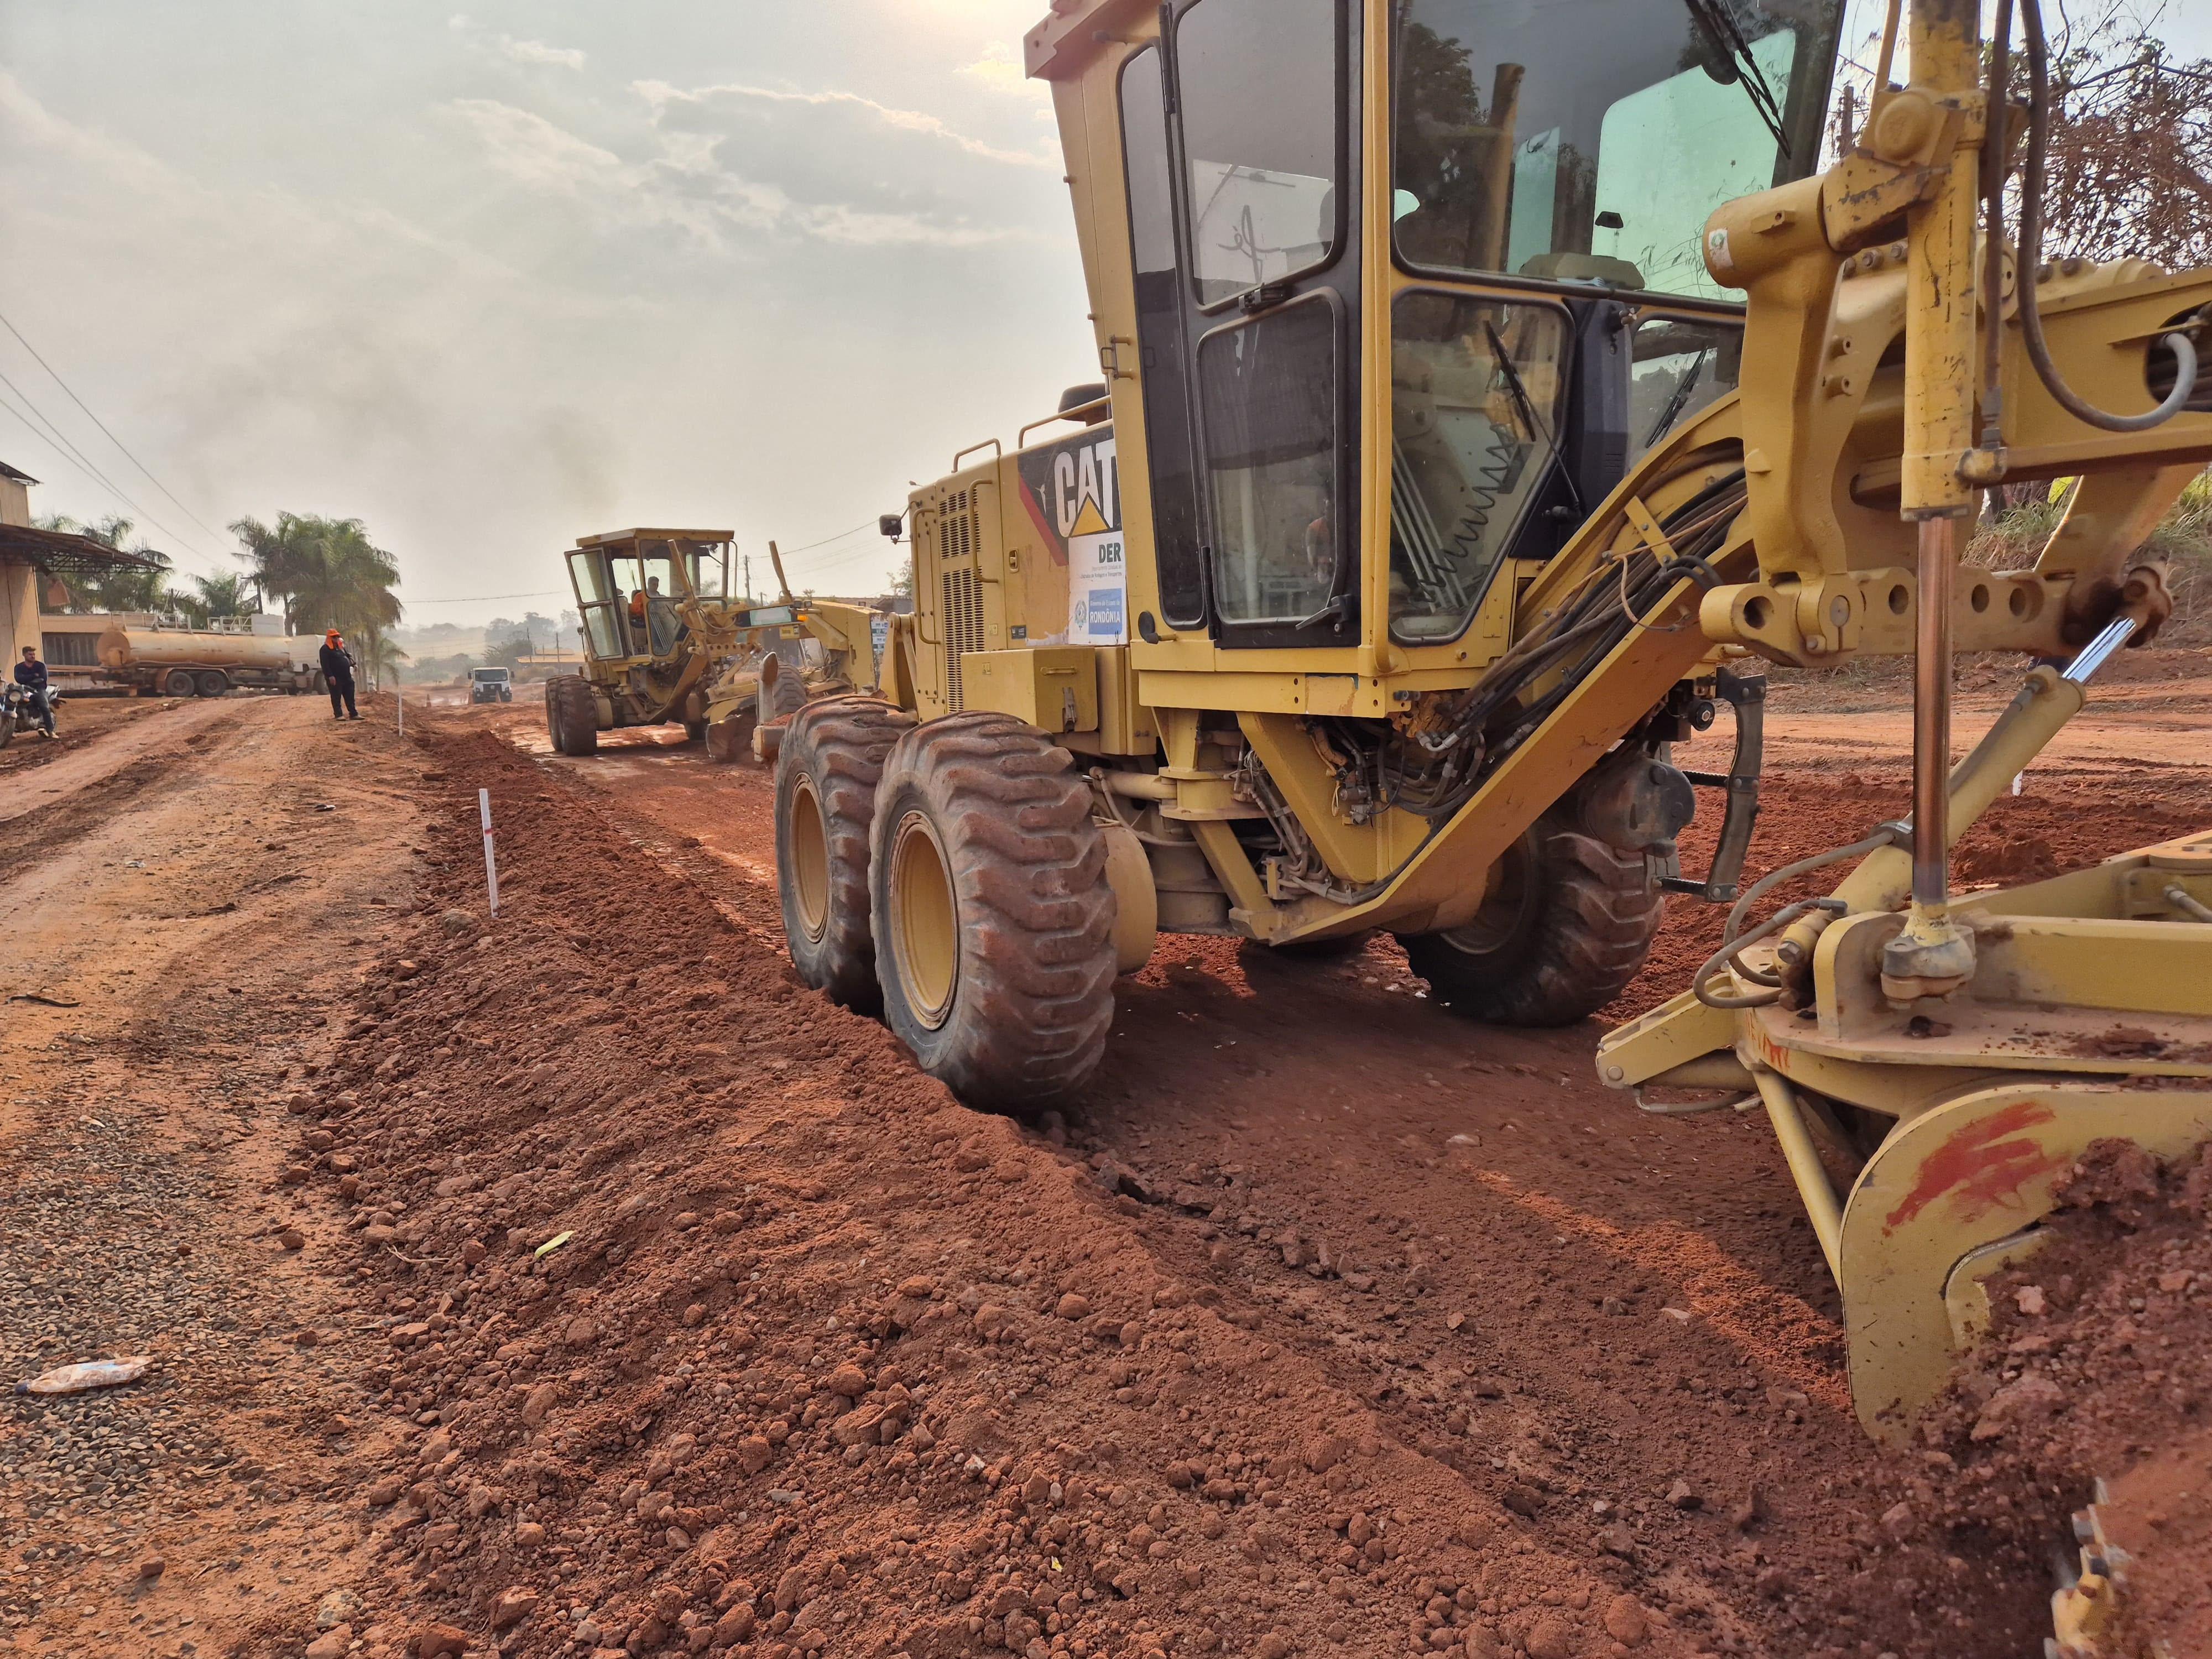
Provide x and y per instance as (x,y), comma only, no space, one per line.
(667,642)
(1499,385)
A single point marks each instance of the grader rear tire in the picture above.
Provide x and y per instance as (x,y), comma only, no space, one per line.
(992,915)
(825,795)
(1565,930)
(572,715)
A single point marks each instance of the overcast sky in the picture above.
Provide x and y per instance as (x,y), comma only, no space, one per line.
(492,278)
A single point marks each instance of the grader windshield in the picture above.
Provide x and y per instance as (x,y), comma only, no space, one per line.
(1590,139)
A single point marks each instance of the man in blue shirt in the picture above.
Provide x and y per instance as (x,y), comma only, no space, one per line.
(31,674)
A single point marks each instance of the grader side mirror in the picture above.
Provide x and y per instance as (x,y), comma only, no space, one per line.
(891,523)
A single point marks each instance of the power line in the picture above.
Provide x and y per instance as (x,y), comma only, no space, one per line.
(72,461)
(826,540)
(59,441)
(54,435)
(111,438)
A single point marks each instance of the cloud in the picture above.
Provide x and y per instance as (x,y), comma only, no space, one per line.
(534,53)
(1000,68)
(530,150)
(487,303)
(683,184)
(660,95)
(537,51)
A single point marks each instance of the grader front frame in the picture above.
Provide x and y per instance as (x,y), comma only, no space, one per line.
(1436,488)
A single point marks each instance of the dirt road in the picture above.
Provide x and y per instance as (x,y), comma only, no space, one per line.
(178,924)
(657,1305)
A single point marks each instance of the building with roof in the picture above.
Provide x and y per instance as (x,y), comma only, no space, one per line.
(30,557)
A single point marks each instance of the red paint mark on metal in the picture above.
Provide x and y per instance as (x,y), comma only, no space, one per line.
(1979,1166)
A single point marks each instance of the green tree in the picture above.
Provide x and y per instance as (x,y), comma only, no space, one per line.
(128,587)
(326,573)
(380,658)
(222,595)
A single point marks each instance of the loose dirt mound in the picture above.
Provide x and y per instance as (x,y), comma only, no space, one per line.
(2099,1366)
(719,1324)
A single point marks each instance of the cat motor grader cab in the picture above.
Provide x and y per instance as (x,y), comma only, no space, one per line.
(1490,387)
(667,642)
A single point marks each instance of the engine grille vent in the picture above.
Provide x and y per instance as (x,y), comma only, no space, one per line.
(964,627)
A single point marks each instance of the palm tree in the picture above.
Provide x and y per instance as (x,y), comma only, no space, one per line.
(222,595)
(380,657)
(326,573)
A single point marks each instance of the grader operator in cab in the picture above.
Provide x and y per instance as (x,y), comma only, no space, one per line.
(1488,388)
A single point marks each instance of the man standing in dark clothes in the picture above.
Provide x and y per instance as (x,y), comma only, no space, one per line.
(31,674)
(337,674)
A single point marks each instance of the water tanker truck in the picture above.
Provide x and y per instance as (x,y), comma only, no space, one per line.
(206,662)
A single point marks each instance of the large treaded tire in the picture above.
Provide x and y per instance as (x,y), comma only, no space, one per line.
(1550,951)
(572,715)
(825,796)
(788,697)
(1027,981)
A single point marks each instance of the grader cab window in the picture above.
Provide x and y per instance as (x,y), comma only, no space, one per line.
(599,603)
(1476,392)
(662,584)
(1258,80)
(1680,364)
(706,566)
(1589,140)
(1164,371)
(1267,403)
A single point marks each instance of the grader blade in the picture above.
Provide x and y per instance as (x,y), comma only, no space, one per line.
(1947,1186)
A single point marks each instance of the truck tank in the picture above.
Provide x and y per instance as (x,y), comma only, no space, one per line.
(123,648)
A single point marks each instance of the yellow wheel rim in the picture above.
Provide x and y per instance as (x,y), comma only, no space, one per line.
(925,920)
(810,859)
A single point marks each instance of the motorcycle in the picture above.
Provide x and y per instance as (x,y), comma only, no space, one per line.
(19,710)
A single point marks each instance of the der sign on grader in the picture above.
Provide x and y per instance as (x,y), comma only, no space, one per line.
(1489,388)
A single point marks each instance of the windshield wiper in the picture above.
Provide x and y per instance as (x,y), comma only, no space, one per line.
(1680,399)
(1526,406)
(1717,24)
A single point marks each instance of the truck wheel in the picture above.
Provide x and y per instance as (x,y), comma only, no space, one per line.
(993,916)
(179,683)
(572,715)
(212,682)
(1560,936)
(826,774)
